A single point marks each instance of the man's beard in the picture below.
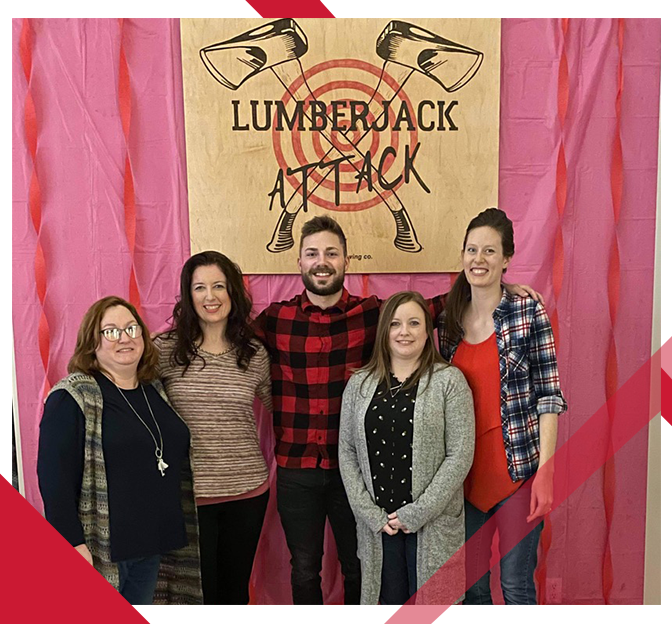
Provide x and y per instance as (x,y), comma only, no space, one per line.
(324,291)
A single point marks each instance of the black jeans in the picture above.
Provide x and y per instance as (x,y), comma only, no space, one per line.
(400,578)
(228,536)
(306,497)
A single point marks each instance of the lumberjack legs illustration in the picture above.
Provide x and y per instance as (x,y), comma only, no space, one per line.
(273,46)
(404,47)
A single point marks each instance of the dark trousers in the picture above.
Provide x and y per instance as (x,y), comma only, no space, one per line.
(517,565)
(306,498)
(228,535)
(400,577)
(137,579)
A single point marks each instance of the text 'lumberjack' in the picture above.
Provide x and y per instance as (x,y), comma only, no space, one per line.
(345,116)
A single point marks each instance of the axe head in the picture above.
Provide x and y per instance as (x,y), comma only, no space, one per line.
(451,64)
(233,61)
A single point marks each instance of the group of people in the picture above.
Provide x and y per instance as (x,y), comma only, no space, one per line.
(150,465)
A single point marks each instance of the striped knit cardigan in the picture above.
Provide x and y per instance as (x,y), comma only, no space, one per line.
(179,576)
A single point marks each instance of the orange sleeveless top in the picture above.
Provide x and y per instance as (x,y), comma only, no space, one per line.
(488,481)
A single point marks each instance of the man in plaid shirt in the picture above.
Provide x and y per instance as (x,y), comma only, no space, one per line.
(315,341)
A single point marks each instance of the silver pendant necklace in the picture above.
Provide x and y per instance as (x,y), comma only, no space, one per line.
(394,390)
(158,448)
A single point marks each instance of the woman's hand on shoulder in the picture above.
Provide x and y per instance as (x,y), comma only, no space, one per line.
(83,550)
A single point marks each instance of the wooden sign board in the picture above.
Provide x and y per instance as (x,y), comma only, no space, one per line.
(390,126)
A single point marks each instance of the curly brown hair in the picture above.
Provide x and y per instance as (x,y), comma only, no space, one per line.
(84,360)
(186,328)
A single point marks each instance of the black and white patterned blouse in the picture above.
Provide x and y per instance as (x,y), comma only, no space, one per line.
(389,438)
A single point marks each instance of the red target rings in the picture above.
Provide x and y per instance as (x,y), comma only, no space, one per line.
(345,82)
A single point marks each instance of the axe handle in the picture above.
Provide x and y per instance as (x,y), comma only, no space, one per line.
(405,238)
(287,76)
(403,74)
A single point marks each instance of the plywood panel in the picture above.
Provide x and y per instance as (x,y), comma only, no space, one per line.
(410,109)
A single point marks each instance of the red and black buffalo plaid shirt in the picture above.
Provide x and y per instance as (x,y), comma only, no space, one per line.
(313,353)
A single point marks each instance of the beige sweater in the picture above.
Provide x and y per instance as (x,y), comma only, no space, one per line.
(216,403)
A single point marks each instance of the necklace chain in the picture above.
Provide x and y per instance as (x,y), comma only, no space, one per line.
(394,390)
(158,449)
(216,354)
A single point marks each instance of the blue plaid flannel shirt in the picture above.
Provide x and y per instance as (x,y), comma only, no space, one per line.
(528,372)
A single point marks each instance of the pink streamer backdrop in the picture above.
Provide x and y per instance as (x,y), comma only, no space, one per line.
(80,160)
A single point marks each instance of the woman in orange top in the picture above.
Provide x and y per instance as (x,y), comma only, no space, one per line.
(504,346)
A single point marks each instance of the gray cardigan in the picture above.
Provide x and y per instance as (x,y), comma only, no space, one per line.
(443,448)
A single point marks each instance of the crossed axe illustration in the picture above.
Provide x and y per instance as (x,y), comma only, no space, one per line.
(405,49)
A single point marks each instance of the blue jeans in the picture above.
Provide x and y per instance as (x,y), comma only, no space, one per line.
(517,565)
(400,579)
(137,579)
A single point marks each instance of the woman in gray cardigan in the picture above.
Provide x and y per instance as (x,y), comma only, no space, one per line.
(405,446)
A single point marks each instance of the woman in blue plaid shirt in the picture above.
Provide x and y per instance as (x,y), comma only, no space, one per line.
(504,345)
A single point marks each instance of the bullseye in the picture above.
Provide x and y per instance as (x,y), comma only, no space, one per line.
(361,84)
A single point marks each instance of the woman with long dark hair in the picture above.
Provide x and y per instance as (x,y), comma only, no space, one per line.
(405,446)
(504,345)
(213,368)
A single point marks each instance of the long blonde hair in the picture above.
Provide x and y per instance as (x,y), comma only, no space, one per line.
(379,364)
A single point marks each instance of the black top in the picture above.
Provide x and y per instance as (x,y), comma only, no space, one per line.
(145,512)
(389,439)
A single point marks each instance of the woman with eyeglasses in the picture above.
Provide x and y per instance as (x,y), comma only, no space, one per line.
(213,368)
(113,462)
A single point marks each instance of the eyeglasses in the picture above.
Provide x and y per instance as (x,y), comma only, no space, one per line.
(113,334)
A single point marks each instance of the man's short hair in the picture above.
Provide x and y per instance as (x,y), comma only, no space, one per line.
(323,223)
